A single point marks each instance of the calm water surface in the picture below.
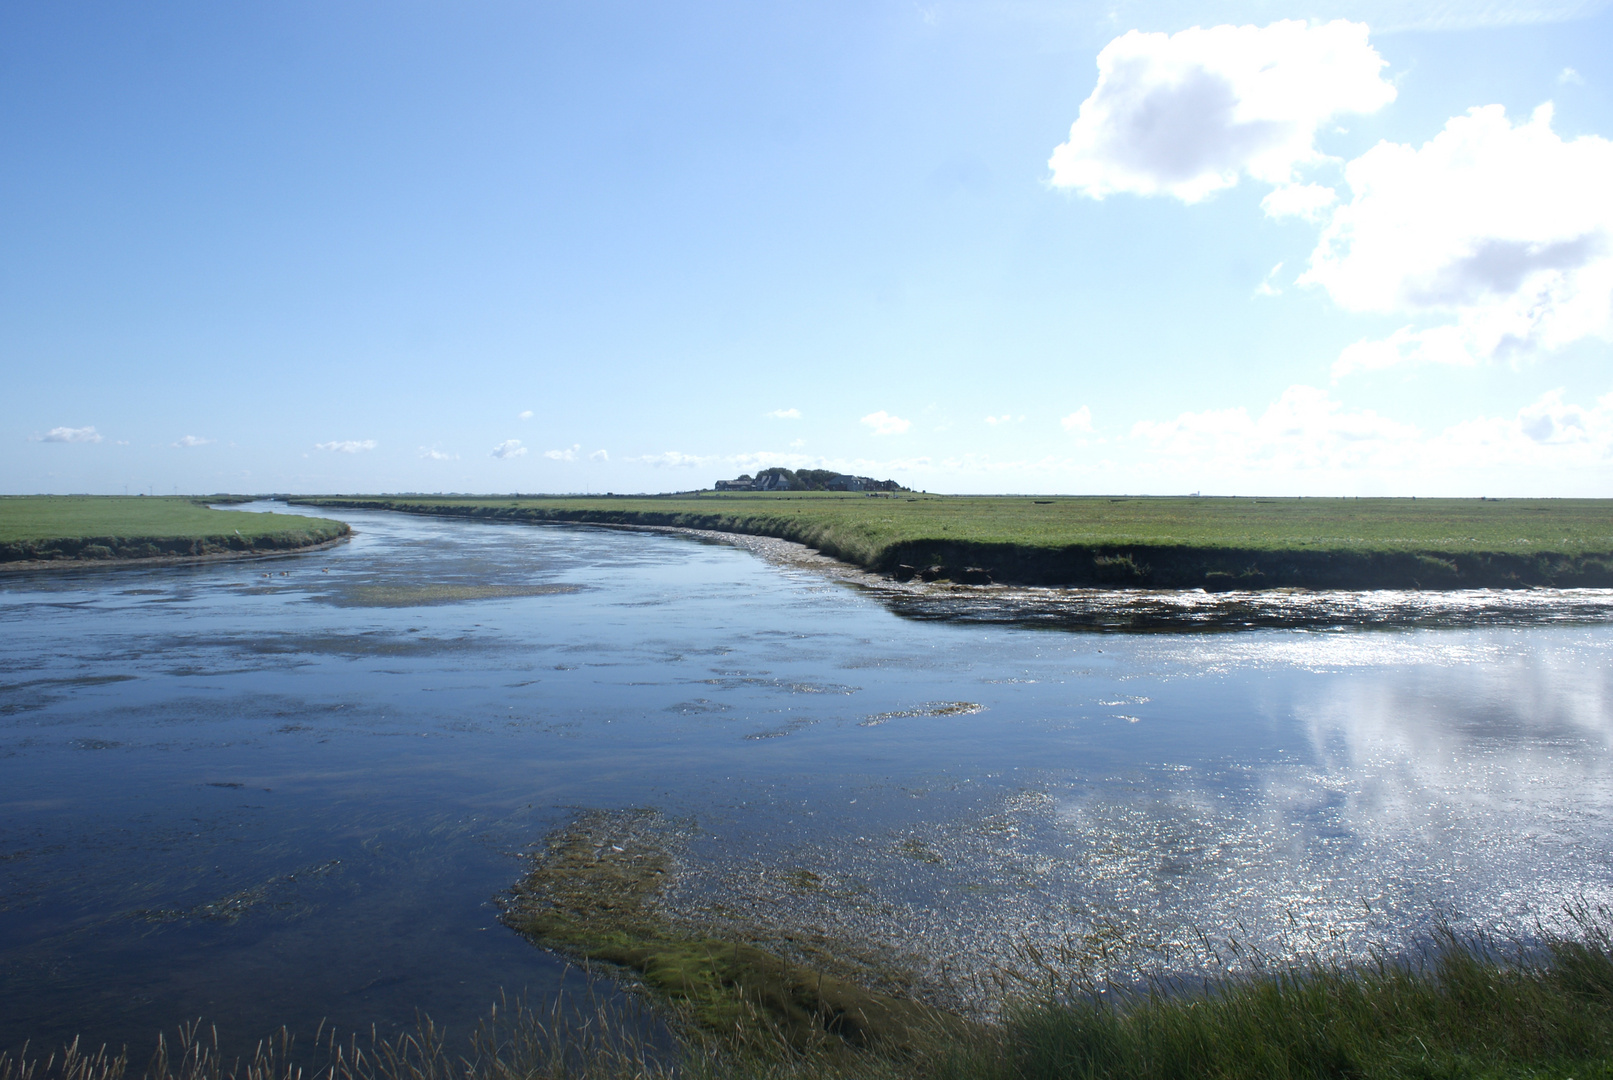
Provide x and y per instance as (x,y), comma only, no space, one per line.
(284,791)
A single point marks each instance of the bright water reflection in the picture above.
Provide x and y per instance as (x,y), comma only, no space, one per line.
(288,790)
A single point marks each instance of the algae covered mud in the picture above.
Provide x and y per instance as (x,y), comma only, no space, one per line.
(323,795)
(1218,544)
(88,530)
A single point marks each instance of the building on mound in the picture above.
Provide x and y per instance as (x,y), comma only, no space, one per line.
(806,480)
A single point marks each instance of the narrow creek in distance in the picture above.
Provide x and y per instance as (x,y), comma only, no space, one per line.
(287,791)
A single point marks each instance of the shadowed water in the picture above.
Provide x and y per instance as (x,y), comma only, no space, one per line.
(289,790)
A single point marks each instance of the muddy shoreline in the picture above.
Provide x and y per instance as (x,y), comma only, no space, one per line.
(1173,610)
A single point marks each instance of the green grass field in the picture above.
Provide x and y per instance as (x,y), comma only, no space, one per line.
(1215,543)
(89,527)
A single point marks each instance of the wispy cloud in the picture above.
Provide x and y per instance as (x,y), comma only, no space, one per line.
(785,414)
(524,414)
(192,440)
(1570,77)
(509,448)
(1306,431)
(1308,201)
(433,454)
(1005,418)
(674,459)
(569,454)
(70,434)
(1397,15)
(347,446)
(1080,421)
(599,455)
(1269,286)
(883,423)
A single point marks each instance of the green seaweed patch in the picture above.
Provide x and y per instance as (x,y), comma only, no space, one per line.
(439,593)
(919,851)
(593,890)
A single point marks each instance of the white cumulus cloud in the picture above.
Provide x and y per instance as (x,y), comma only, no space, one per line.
(1005,418)
(785,414)
(191,440)
(433,454)
(569,454)
(883,423)
(1497,238)
(1302,429)
(524,414)
(1080,421)
(347,446)
(1188,114)
(1308,430)
(599,455)
(509,448)
(71,434)
(1306,201)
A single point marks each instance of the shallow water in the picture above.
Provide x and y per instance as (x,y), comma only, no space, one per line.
(289,790)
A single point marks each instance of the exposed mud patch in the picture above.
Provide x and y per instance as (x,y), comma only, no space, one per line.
(401,595)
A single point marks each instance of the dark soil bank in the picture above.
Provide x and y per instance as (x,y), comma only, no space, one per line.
(1223,569)
(1155,566)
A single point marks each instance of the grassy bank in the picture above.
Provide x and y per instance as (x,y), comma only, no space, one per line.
(87,528)
(1216,544)
(1469,1008)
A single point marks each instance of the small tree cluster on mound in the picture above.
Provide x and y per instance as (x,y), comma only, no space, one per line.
(780,479)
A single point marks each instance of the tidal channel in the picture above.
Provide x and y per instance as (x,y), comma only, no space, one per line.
(290,790)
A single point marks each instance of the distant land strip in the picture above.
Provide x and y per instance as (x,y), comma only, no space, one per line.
(1217,544)
(48,531)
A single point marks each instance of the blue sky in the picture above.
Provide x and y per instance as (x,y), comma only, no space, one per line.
(1014,247)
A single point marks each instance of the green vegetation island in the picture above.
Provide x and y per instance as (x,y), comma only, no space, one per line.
(1217,544)
(79,530)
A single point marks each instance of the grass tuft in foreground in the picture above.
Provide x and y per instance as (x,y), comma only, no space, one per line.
(1471,1007)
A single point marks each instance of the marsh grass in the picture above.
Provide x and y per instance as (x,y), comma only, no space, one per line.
(1466,1006)
(95,528)
(1215,544)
